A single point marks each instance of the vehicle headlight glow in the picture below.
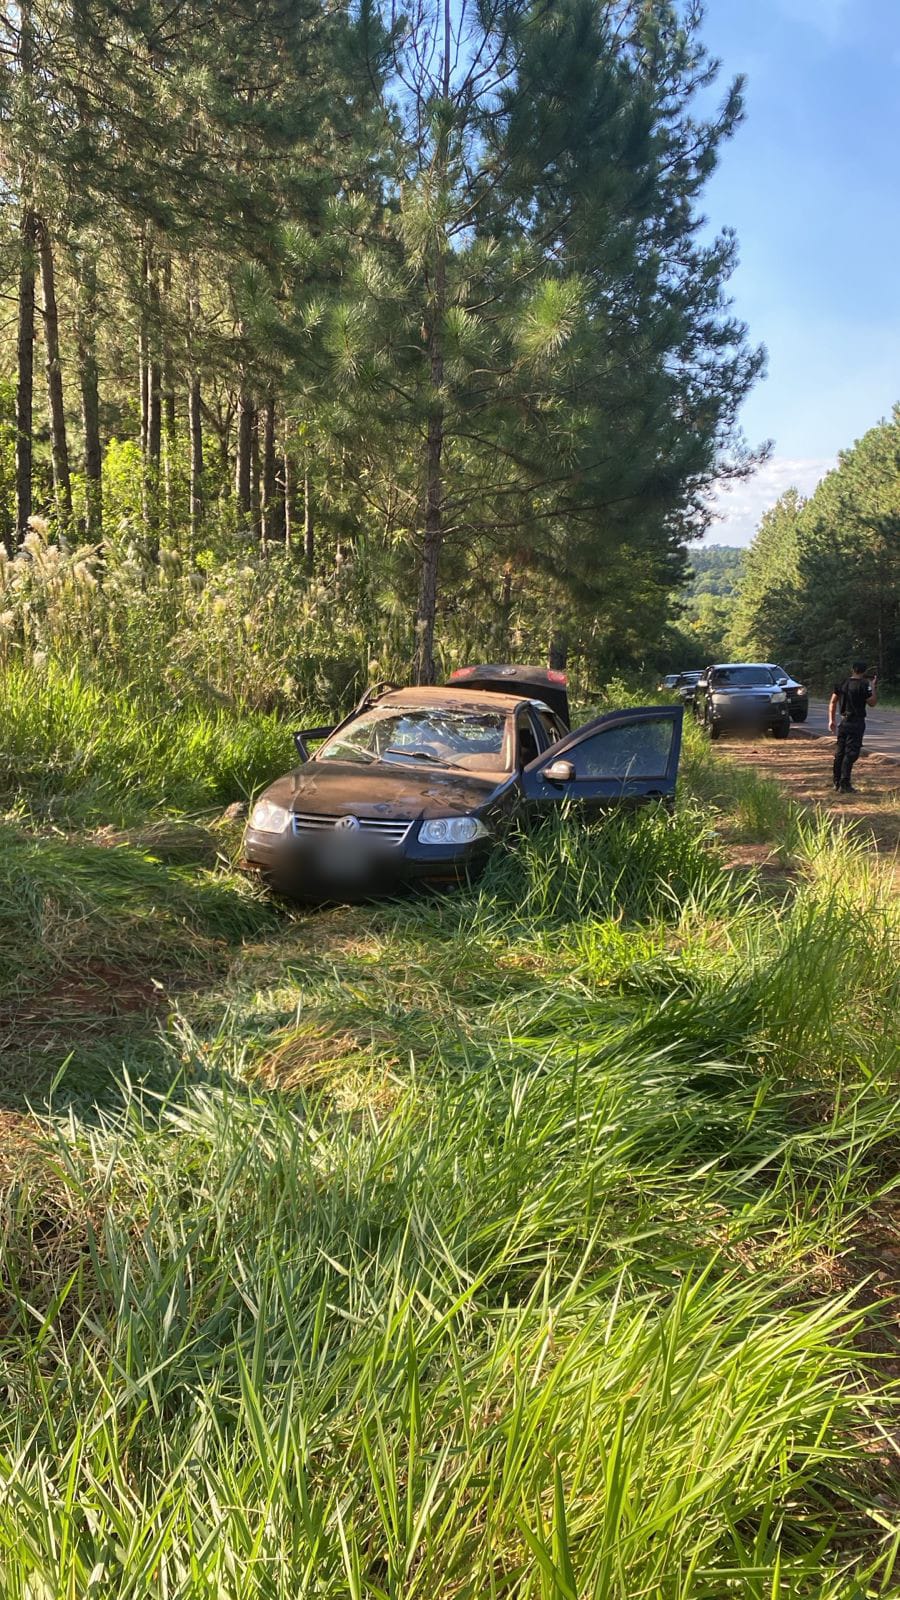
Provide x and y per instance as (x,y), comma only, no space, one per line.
(452,830)
(267,817)
(777,697)
(719,699)
(801,689)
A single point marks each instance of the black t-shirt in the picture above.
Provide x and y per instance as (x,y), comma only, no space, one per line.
(853,696)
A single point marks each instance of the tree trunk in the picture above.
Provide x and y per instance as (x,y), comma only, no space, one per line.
(423,669)
(255,501)
(558,658)
(86,339)
(153,382)
(168,410)
(242,471)
(288,501)
(169,429)
(309,527)
(59,443)
(25,372)
(144,360)
(25,333)
(434,447)
(154,379)
(505,611)
(195,412)
(269,485)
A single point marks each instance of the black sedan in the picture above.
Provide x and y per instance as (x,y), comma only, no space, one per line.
(415,785)
(742,697)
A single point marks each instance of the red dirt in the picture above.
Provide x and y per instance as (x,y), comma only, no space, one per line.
(803,767)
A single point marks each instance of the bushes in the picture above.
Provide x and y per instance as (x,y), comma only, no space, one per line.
(253,631)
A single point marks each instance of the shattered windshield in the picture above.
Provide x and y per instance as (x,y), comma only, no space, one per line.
(422,737)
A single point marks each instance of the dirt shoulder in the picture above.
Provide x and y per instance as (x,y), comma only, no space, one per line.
(802,766)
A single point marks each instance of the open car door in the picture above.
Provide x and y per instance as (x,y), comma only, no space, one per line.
(624,756)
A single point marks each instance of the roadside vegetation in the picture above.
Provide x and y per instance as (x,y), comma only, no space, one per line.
(537,1240)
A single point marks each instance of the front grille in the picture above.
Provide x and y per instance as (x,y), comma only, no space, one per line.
(389,830)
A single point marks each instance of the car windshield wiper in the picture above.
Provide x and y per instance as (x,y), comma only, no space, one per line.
(350,754)
(415,755)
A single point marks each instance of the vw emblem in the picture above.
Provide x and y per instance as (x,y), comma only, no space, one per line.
(351,823)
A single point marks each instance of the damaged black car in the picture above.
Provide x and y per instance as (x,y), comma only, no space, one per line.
(417,784)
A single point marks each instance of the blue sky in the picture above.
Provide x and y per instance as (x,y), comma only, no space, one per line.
(811,183)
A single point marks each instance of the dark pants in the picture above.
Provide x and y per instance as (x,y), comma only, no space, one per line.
(849,744)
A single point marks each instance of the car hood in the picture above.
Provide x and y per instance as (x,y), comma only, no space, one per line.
(339,788)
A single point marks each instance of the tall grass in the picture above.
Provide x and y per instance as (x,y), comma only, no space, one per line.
(510,1244)
(79,752)
(554,1327)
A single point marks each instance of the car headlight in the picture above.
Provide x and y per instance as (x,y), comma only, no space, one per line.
(452,830)
(777,697)
(720,699)
(801,690)
(267,817)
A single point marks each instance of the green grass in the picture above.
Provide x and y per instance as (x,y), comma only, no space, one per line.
(514,1243)
(79,753)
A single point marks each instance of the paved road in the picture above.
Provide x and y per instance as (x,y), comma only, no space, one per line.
(882,727)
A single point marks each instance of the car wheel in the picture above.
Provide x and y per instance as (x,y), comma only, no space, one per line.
(713,729)
(800,714)
(782,731)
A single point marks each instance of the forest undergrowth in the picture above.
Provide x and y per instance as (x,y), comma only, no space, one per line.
(539,1240)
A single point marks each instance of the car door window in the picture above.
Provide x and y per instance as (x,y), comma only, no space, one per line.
(631,750)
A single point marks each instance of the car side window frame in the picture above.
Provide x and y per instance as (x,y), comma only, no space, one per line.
(546,727)
(525,723)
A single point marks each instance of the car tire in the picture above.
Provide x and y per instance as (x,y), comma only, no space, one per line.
(800,715)
(782,731)
(713,729)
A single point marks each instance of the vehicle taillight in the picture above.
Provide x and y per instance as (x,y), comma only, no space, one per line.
(463,672)
(557,677)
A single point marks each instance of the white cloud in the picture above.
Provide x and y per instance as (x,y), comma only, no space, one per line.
(827,16)
(738,507)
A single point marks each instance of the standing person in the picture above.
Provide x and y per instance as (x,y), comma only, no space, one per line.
(853,696)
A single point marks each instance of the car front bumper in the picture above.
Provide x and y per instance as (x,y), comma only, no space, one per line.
(750,717)
(320,868)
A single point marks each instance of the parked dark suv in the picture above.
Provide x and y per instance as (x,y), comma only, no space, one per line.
(742,697)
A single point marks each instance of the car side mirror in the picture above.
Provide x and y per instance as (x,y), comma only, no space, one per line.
(559,772)
(782,680)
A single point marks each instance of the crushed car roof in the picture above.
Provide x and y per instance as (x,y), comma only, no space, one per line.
(461,699)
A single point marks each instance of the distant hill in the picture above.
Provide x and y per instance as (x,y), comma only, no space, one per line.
(717,569)
(704,607)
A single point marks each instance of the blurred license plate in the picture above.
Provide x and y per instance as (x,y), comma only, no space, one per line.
(346,855)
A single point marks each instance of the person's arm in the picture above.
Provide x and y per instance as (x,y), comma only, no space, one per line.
(832,712)
(873,691)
